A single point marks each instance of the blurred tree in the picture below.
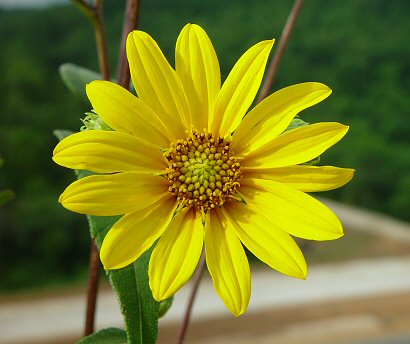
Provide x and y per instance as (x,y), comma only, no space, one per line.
(358,48)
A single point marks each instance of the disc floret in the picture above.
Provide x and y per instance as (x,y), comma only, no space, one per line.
(202,171)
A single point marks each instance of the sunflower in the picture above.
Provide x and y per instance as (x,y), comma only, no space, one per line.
(187,169)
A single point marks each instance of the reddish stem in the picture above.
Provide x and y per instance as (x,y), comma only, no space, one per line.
(274,66)
(94,274)
(96,14)
(197,279)
(130,23)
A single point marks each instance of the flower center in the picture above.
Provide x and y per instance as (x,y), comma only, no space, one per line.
(202,171)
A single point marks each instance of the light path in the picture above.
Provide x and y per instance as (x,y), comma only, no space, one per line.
(369,221)
(56,317)
(325,282)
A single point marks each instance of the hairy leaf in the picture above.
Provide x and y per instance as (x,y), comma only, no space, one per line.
(138,307)
(76,77)
(106,336)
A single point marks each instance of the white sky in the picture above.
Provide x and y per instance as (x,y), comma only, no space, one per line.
(29,3)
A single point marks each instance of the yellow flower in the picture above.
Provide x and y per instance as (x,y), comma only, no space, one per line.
(183,165)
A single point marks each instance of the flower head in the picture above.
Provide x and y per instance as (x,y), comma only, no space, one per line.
(183,165)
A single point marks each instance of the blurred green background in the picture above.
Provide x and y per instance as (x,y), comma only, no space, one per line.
(358,48)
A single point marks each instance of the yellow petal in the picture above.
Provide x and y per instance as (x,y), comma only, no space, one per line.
(123,111)
(239,89)
(157,84)
(198,68)
(268,243)
(305,178)
(135,233)
(227,263)
(291,210)
(114,194)
(273,115)
(108,151)
(176,255)
(296,146)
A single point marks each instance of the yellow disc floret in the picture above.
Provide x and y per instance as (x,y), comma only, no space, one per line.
(202,171)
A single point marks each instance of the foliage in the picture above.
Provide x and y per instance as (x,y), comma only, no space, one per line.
(138,307)
(76,77)
(358,48)
(107,336)
(5,195)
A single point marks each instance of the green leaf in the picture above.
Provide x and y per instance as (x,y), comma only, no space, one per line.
(93,122)
(76,77)
(62,133)
(297,122)
(99,225)
(107,336)
(138,307)
(164,306)
(5,196)
(149,306)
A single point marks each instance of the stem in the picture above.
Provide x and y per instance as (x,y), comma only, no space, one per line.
(96,14)
(197,279)
(101,40)
(84,7)
(94,274)
(273,68)
(130,23)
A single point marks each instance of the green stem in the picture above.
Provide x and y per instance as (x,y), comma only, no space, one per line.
(84,7)
(274,66)
(100,38)
(95,13)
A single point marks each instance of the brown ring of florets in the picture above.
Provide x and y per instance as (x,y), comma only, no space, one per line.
(202,171)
